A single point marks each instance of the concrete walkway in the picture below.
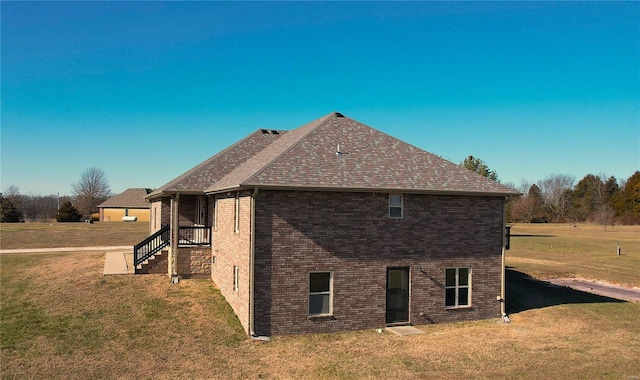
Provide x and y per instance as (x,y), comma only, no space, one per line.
(404,330)
(115,263)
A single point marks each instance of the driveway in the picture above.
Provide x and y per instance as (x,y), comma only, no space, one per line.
(600,288)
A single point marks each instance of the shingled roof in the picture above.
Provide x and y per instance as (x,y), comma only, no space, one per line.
(367,160)
(213,169)
(130,198)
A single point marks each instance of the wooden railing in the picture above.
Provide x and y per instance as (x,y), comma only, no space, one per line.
(151,245)
(194,235)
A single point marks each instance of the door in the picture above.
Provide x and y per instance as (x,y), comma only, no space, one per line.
(201,211)
(397,295)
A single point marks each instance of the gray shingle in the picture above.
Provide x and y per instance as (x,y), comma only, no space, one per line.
(130,198)
(213,169)
(370,160)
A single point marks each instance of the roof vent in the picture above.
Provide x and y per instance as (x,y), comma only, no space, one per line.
(265,131)
(338,114)
(274,132)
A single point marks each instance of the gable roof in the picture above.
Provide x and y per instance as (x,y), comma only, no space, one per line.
(130,198)
(216,167)
(370,160)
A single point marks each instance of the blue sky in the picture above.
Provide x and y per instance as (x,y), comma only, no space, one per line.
(147,90)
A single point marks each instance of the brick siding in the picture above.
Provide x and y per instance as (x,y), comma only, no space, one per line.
(351,235)
(231,248)
(160,213)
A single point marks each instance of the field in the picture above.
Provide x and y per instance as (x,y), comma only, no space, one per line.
(60,318)
(55,235)
(586,251)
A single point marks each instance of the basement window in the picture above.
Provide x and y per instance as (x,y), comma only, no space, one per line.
(320,293)
(458,287)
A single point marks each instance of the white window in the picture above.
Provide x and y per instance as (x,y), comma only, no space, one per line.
(395,206)
(458,287)
(320,293)
(237,213)
(236,278)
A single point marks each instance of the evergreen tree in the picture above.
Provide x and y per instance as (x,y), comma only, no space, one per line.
(68,213)
(588,197)
(627,202)
(478,166)
(9,212)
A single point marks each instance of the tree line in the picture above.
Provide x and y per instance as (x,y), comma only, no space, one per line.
(91,190)
(594,199)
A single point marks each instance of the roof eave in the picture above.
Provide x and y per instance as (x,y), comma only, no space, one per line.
(168,193)
(361,190)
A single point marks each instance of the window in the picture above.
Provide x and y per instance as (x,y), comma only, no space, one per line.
(395,206)
(215,212)
(236,278)
(320,293)
(201,211)
(458,287)
(237,213)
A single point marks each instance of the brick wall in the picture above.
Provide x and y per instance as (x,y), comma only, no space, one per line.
(160,213)
(231,248)
(351,235)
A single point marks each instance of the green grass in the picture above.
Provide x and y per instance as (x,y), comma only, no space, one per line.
(60,318)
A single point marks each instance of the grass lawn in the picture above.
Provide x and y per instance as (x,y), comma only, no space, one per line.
(60,318)
(587,251)
(55,235)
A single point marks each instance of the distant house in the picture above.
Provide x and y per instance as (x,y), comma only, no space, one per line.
(129,204)
(333,226)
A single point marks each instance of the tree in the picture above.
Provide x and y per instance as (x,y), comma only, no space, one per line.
(478,166)
(12,193)
(92,189)
(68,213)
(588,197)
(529,208)
(627,201)
(9,213)
(556,192)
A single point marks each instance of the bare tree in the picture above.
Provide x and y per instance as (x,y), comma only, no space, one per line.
(92,189)
(556,192)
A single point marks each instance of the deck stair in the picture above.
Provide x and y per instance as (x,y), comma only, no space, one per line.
(149,256)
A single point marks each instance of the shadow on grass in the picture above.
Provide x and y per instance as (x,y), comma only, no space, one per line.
(525,293)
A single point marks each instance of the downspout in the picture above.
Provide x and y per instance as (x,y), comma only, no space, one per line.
(503,312)
(252,285)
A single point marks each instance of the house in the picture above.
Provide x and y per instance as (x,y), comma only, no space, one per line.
(334,226)
(128,205)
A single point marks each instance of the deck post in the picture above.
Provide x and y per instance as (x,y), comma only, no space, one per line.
(173,251)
